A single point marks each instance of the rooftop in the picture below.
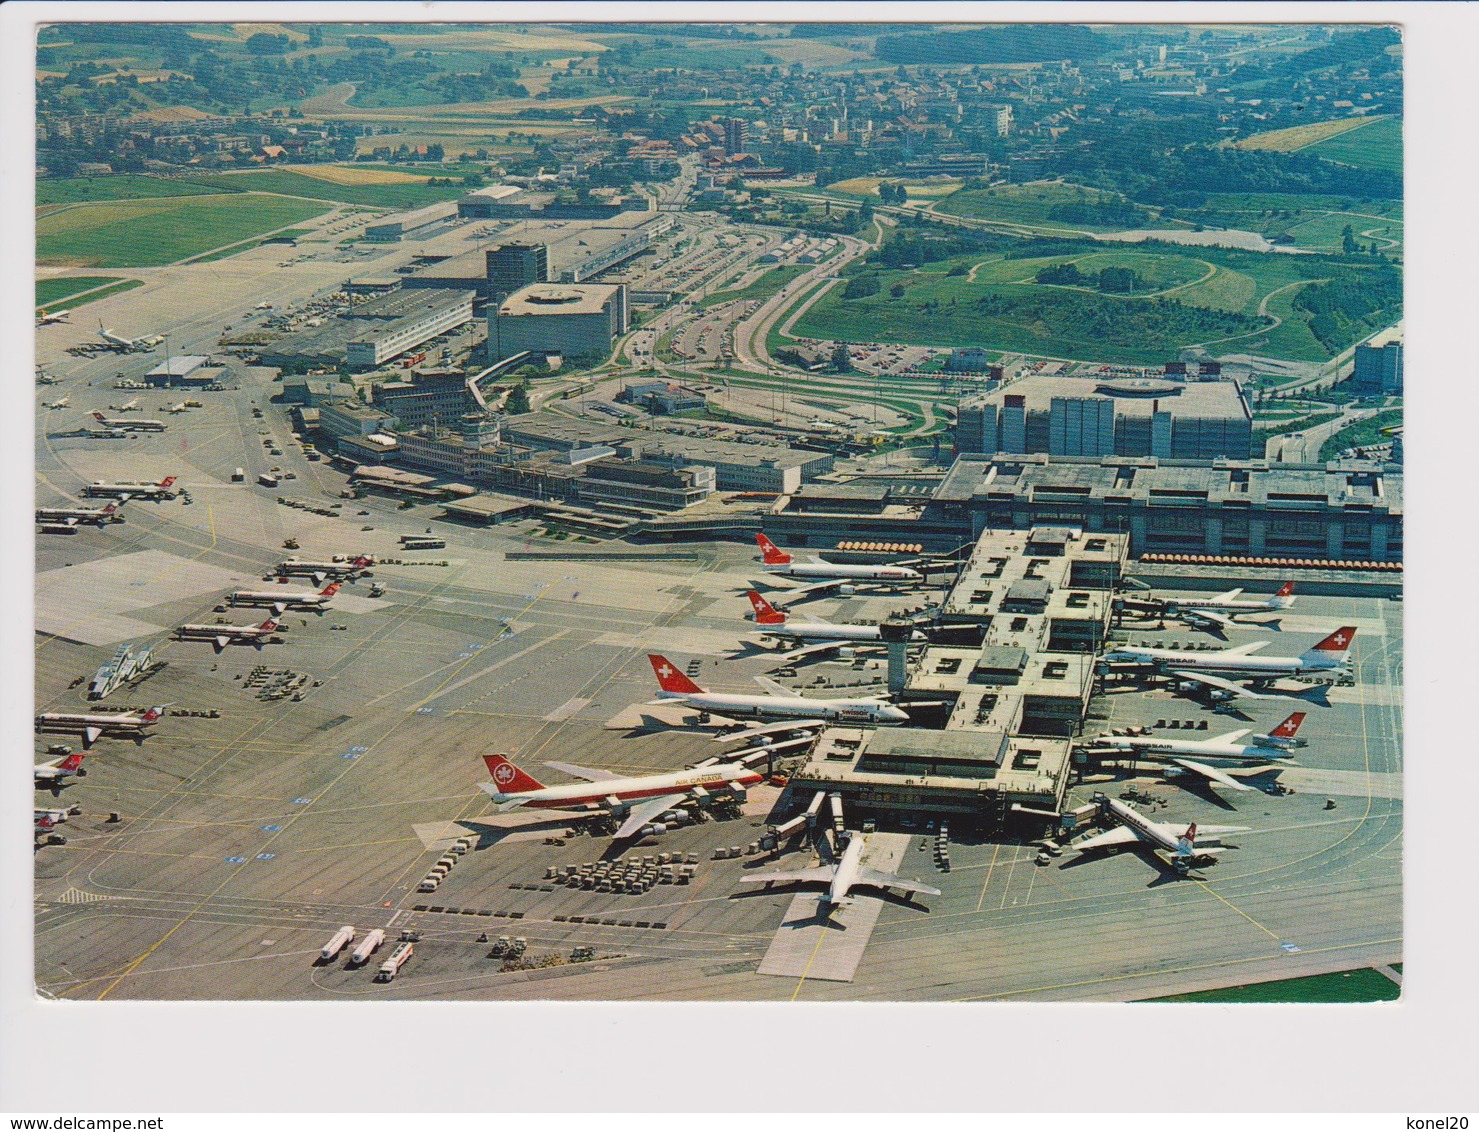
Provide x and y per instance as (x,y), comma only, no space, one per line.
(557,298)
(1131,396)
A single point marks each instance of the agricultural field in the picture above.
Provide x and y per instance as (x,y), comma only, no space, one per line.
(1298,137)
(359,174)
(119,186)
(1377,145)
(1051,207)
(394,196)
(153,232)
(1231,301)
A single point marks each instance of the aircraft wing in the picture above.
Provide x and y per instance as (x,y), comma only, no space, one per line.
(70,520)
(768,729)
(775,688)
(1230,737)
(823,873)
(1231,595)
(1120,835)
(889,880)
(1248,649)
(90,735)
(581,772)
(221,642)
(645,812)
(1223,685)
(813,650)
(1221,620)
(824,586)
(1215,775)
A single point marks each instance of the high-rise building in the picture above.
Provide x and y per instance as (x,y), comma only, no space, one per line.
(735,130)
(1378,368)
(512,267)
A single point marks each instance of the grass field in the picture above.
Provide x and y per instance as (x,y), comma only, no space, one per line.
(764,287)
(1361,985)
(1297,137)
(152,232)
(1029,205)
(296,184)
(103,293)
(50,292)
(121,186)
(1362,433)
(1377,145)
(358,174)
(1158,272)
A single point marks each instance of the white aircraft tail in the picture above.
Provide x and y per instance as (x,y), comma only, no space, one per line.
(1285,597)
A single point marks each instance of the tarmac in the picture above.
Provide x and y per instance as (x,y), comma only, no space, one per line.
(245,840)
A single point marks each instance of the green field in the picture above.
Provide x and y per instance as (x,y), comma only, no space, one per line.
(1361,985)
(1212,295)
(1033,204)
(1376,146)
(122,186)
(153,232)
(50,292)
(297,184)
(1361,433)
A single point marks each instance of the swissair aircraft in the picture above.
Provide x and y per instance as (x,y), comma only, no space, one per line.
(1218,668)
(280,602)
(1137,830)
(843,874)
(1222,610)
(53,775)
(115,341)
(1203,756)
(129,424)
(835,577)
(222,635)
(71,516)
(773,623)
(778,701)
(123,491)
(90,726)
(645,801)
(322,571)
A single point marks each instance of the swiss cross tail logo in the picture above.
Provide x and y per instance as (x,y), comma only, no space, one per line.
(665,671)
(1339,639)
(504,774)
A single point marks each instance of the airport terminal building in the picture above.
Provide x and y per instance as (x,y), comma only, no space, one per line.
(1070,416)
(573,320)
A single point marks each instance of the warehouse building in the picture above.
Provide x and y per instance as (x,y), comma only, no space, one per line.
(575,321)
(420,221)
(1343,510)
(1066,416)
(1013,662)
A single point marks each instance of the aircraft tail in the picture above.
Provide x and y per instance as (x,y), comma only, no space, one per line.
(669,678)
(100,417)
(1284,734)
(771,554)
(70,764)
(329,590)
(508,778)
(765,613)
(1331,652)
(153,715)
(168,481)
(362,561)
(1285,597)
(267,626)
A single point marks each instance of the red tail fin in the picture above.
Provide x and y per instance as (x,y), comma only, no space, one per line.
(1338,641)
(1285,590)
(1289,728)
(669,678)
(329,590)
(765,613)
(770,553)
(108,510)
(71,762)
(167,481)
(267,626)
(100,417)
(508,778)
(1191,834)
(152,715)
(362,561)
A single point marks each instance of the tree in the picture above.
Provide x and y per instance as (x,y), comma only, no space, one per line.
(1348,241)
(518,400)
(841,359)
(897,291)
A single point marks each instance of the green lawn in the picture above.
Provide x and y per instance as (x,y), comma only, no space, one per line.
(1032,204)
(763,288)
(1375,146)
(1361,433)
(49,292)
(402,196)
(152,232)
(1360,985)
(121,186)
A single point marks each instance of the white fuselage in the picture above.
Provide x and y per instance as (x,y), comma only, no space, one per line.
(791,707)
(1253,752)
(1220,662)
(1142,827)
(578,794)
(820,631)
(129,490)
(120,722)
(834,570)
(77,514)
(317,569)
(1239,605)
(226,632)
(846,875)
(130,425)
(308,598)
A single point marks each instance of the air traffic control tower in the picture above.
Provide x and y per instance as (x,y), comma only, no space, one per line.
(1013,661)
